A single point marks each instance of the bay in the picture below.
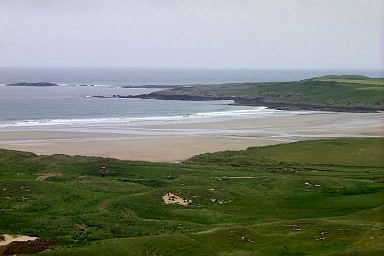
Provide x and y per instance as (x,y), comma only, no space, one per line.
(73,103)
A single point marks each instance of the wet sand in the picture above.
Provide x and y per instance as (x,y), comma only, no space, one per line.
(173,142)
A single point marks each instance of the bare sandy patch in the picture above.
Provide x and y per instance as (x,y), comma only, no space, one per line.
(21,245)
(171,198)
(7,239)
(47,175)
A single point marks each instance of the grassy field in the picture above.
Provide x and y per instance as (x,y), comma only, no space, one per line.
(321,197)
(353,79)
(335,93)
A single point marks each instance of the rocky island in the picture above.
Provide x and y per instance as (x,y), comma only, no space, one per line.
(38,84)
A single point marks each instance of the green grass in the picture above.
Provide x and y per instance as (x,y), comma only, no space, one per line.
(375,88)
(365,152)
(363,81)
(337,93)
(321,197)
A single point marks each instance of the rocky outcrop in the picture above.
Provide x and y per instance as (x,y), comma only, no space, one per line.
(25,247)
(39,84)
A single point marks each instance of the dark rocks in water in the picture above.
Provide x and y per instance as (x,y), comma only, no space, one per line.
(39,84)
(150,86)
(122,96)
(183,97)
(113,96)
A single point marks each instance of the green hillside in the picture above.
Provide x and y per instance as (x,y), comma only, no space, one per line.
(321,197)
(330,93)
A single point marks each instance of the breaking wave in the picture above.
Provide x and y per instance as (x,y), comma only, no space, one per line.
(255,112)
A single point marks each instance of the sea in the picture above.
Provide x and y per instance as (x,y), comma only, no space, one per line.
(72,102)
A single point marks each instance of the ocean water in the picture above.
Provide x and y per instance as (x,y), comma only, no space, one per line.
(72,104)
(148,76)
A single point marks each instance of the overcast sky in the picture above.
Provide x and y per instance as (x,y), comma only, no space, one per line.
(335,34)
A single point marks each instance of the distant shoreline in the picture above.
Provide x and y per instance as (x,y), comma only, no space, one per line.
(239,101)
(345,93)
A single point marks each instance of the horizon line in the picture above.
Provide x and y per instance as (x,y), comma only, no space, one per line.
(192,68)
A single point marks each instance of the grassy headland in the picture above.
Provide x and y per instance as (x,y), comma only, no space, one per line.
(308,198)
(329,93)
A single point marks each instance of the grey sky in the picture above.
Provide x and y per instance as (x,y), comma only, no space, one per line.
(339,34)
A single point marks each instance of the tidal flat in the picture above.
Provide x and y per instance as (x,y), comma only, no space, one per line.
(178,141)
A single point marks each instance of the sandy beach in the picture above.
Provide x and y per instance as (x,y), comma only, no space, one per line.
(172,142)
